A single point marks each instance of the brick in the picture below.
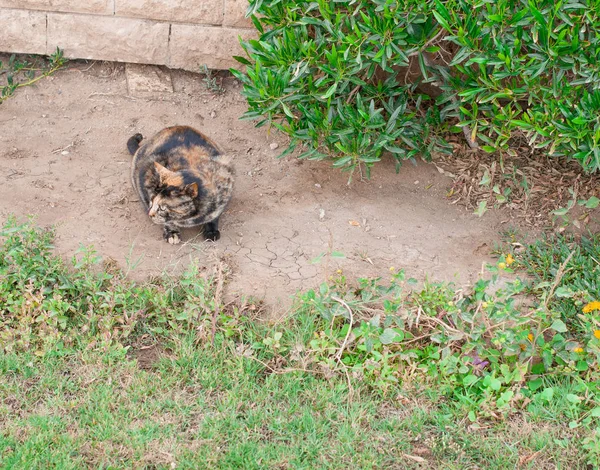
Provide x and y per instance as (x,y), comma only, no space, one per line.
(148,79)
(192,46)
(235,14)
(185,11)
(108,38)
(22,31)
(77,6)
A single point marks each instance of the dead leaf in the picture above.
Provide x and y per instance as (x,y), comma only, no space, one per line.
(416,458)
(525,459)
(354,223)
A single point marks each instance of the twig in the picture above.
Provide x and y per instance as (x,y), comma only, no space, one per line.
(112,94)
(217,301)
(352,93)
(447,327)
(282,371)
(338,356)
(428,43)
(341,350)
(559,275)
(63,149)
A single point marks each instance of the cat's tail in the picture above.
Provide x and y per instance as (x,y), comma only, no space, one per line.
(133,144)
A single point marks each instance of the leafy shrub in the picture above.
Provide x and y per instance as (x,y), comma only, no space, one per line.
(332,75)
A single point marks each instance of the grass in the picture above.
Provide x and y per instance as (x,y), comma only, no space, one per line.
(206,408)
(99,372)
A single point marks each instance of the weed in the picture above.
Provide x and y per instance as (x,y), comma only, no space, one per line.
(211,82)
(21,73)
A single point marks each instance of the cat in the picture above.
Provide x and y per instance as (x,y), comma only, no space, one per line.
(182,179)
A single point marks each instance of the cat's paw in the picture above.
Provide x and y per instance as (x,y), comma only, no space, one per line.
(173,239)
(213,235)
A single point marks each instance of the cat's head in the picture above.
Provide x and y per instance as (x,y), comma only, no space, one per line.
(174,199)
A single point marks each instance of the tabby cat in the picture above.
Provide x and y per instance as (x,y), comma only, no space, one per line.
(182,180)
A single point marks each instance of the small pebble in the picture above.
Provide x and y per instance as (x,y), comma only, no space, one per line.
(213,114)
(274,145)
(317,185)
(64,152)
(417,182)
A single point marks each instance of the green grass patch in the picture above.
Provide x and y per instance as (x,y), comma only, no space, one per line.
(99,372)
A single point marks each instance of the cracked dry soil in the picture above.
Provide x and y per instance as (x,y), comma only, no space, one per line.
(64,160)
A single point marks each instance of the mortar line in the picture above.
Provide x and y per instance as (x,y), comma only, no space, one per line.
(169,46)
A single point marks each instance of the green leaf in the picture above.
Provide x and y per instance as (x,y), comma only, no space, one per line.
(337,254)
(563,292)
(481,209)
(495,384)
(595,412)
(242,60)
(390,335)
(486,179)
(534,384)
(330,92)
(470,380)
(317,259)
(559,325)
(592,202)
(573,398)
(547,394)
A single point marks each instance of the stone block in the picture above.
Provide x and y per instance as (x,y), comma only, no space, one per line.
(108,38)
(148,79)
(183,11)
(77,6)
(235,14)
(191,46)
(22,31)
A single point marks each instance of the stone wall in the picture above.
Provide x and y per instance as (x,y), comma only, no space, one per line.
(178,33)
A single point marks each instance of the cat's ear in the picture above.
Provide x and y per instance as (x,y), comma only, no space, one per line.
(163,173)
(192,190)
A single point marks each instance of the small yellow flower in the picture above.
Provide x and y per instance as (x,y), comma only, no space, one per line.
(597,333)
(578,349)
(502,265)
(530,337)
(509,259)
(523,347)
(392,269)
(484,304)
(339,271)
(595,305)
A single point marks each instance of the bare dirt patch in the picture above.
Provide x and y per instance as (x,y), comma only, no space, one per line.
(63,159)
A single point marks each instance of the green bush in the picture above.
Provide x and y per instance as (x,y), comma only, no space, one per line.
(332,75)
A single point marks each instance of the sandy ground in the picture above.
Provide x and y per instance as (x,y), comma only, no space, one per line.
(63,158)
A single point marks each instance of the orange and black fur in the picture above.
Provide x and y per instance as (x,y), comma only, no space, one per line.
(182,180)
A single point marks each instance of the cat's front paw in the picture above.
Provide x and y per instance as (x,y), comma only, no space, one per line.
(213,235)
(174,239)
(171,235)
